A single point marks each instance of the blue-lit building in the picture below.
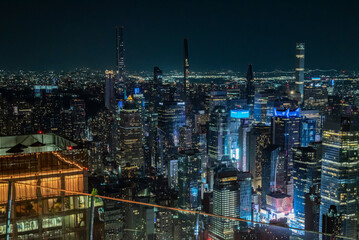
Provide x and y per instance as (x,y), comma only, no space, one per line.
(306,179)
(286,132)
(235,120)
(308,131)
(171,117)
(189,179)
(263,106)
(340,166)
(218,134)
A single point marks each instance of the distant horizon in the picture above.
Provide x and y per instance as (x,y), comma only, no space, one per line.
(65,35)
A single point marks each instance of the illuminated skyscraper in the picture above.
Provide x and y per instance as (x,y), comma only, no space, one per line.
(130,135)
(120,57)
(232,197)
(306,179)
(286,131)
(259,139)
(186,68)
(340,166)
(299,70)
(171,117)
(218,134)
(189,179)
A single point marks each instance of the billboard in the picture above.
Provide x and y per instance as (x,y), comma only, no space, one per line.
(240,113)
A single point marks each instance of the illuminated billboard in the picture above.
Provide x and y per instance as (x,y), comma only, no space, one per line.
(240,113)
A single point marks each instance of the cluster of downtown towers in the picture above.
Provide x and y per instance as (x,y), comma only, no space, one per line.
(259,156)
(286,155)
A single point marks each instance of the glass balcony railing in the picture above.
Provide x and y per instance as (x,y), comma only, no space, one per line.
(39,211)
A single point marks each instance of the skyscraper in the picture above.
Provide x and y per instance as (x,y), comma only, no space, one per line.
(286,130)
(299,70)
(109,89)
(78,119)
(120,58)
(340,166)
(250,88)
(218,134)
(231,197)
(189,179)
(306,179)
(130,135)
(259,139)
(186,68)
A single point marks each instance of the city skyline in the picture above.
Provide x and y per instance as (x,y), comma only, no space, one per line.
(63,36)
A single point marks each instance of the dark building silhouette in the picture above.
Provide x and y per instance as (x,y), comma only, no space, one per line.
(120,57)
(250,89)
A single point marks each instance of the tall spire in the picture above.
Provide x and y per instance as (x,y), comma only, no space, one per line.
(186,68)
(299,70)
(120,57)
(250,86)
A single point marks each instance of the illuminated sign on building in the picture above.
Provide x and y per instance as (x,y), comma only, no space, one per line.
(240,113)
(137,91)
(287,113)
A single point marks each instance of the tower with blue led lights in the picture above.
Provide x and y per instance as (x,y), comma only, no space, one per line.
(218,134)
(286,133)
(306,180)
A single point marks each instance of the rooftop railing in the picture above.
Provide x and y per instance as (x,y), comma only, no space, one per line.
(53,213)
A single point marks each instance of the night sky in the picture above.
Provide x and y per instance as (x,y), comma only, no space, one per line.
(40,35)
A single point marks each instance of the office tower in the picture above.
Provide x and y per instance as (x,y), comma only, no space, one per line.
(243,143)
(299,70)
(186,85)
(78,119)
(232,197)
(306,179)
(200,122)
(215,98)
(340,163)
(286,130)
(173,174)
(120,59)
(272,172)
(171,117)
(130,135)
(315,97)
(259,139)
(308,131)
(218,134)
(319,119)
(48,161)
(156,88)
(189,179)
(234,123)
(66,127)
(109,90)
(263,106)
(250,88)
(185,138)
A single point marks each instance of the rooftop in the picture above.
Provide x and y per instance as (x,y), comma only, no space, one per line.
(35,143)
